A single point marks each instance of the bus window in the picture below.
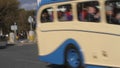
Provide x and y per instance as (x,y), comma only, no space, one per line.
(47,15)
(88,11)
(65,13)
(113,11)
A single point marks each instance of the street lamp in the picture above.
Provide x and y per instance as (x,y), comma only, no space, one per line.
(31,32)
(14,28)
(30,20)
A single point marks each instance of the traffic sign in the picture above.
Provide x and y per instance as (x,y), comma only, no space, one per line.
(13,27)
(30,19)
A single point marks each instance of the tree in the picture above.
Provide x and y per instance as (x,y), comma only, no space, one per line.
(8,13)
(23,24)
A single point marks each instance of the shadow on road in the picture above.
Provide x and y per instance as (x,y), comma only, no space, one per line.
(2,47)
(55,66)
(7,45)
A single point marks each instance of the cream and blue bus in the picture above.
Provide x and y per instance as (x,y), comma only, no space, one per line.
(77,33)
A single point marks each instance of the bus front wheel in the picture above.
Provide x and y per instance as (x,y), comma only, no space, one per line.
(72,58)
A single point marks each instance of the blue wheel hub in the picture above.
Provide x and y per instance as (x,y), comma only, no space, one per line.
(73,58)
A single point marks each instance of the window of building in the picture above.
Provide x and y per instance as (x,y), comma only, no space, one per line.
(47,15)
(65,13)
(113,11)
(88,11)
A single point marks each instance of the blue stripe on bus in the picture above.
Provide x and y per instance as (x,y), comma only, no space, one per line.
(43,2)
(57,57)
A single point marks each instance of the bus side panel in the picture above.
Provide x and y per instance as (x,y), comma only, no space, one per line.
(99,44)
(57,57)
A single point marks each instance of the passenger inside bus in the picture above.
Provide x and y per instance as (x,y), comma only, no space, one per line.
(69,15)
(65,13)
(62,16)
(113,12)
(88,11)
(117,18)
(82,15)
(109,14)
(92,14)
(47,15)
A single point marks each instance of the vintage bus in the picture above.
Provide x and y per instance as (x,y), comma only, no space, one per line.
(77,33)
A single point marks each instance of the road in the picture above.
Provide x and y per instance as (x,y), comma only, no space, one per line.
(24,56)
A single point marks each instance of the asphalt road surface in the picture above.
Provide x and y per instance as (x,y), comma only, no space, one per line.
(22,56)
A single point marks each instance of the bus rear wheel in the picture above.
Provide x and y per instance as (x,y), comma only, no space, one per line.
(72,58)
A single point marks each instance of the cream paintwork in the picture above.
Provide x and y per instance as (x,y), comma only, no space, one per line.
(92,44)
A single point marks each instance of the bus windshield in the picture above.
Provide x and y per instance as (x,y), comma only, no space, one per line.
(113,11)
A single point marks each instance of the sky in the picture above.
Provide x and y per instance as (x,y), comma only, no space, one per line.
(28,4)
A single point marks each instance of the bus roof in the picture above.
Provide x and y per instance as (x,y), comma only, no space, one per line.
(43,2)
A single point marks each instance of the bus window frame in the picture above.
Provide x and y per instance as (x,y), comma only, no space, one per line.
(73,5)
